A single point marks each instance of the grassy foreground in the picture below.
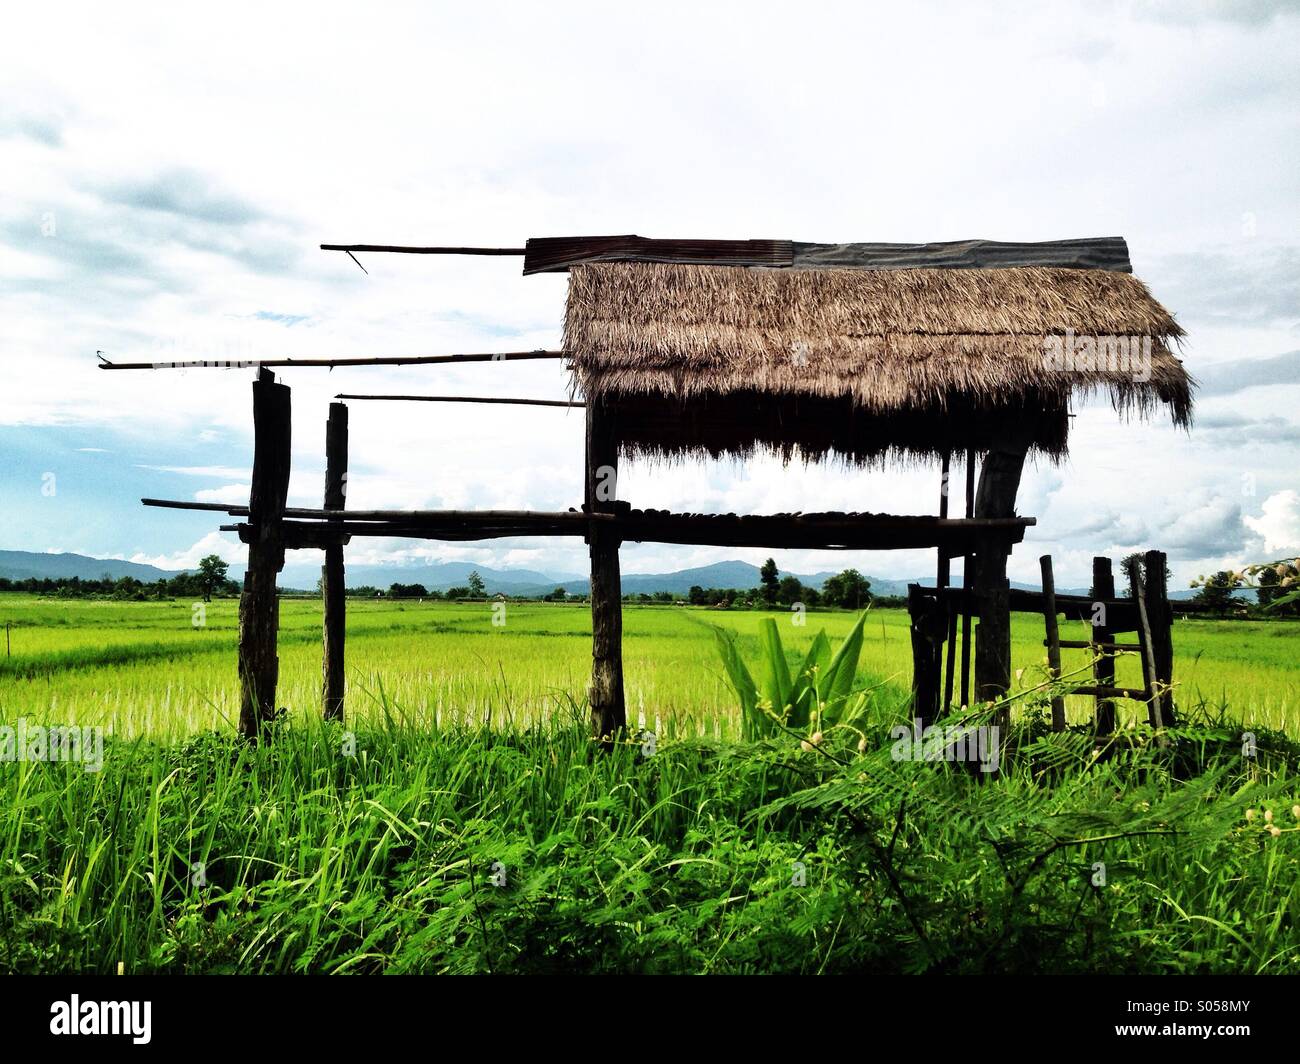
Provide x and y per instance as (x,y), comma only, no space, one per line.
(465,823)
(528,851)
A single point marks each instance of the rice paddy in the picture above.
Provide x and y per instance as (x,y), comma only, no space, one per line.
(146,668)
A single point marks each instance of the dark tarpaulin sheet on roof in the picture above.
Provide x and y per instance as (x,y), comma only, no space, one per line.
(1093,253)
(547,254)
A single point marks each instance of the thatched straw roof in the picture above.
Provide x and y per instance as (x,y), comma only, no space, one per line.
(862,362)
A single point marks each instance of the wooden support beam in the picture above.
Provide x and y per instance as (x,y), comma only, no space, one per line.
(967,584)
(383,360)
(928,621)
(1053,639)
(333,590)
(1161,617)
(995,498)
(608,712)
(1103,590)
(942,578)
(259,607)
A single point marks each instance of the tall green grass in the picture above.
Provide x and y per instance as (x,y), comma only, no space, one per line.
(377,852)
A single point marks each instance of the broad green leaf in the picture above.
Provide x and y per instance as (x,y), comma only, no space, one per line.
(739,675)
(777,686)
(834,685)
(804,686)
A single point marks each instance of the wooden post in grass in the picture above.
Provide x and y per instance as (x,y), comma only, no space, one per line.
(259,607)
(943,579)
(1103,669)
(332,585)
(967,567)
(996,497)
(1162,615)
(608,714)
(928,621)
(1156,617)
(1053,639)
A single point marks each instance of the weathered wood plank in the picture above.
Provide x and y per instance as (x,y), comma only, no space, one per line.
(1053,639)
(608,712)
(333,589)
(927,623)
(1103,588)
(259,607)
(1161,619)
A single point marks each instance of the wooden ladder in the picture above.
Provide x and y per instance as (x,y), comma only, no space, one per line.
(1146,614)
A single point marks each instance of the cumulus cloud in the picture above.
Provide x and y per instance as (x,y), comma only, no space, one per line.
(1278,523)
(229,494)
(225,546)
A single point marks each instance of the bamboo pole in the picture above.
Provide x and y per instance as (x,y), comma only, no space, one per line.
(383,360)
(406,249)
(463,399)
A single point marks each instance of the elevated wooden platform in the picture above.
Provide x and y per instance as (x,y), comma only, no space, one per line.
(306,528)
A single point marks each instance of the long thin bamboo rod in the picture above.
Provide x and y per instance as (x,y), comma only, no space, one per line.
(393,360)
(463,399)
(405,249)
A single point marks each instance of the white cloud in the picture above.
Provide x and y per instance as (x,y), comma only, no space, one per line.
(219,543)
(230,494)
(1279,522)
(226,472)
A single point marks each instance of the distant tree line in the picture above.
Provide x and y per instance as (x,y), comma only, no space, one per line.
(205,582)
(846,590)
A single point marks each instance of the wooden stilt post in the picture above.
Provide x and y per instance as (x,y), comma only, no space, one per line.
(333,590)
(1158,619)
(942,580)
(1163,620)
(608,714)
(1053,639)
(966,583)
(1103,589)
(996,497)
(928,622)
(259,607)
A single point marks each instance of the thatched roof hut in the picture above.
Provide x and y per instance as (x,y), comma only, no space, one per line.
(867,354)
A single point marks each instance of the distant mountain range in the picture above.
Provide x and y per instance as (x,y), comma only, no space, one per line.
(21,565)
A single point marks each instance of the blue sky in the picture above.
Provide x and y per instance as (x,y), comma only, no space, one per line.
(166,180)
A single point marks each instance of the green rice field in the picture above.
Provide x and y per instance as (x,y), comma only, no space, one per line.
(144,668)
